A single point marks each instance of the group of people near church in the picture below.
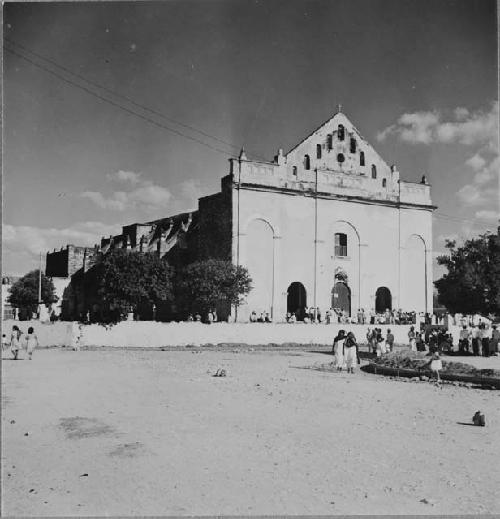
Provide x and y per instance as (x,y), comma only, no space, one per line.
(480,339)
(19,342)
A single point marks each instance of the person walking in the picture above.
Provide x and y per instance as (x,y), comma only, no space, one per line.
(436,365)
(15,341)
(350,352)
(338,350)
(31,342)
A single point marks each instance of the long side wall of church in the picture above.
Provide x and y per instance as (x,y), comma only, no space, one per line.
(215,226)
(285,239)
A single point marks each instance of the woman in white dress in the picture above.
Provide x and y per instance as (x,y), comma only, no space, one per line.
(338,350)
(15,341)
(350,352)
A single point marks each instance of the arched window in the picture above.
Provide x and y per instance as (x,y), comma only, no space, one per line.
(384,182)
(374,171)
(353,145)
(294,171)
(341,132)
(361,158)
(329,141)
(340,158)
(340,244)
(307,162)
(318,151)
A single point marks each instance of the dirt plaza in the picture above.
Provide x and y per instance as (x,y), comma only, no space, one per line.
(117,432)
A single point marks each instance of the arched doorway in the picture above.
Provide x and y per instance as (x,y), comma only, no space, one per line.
(341,297)
(383,300)
(296,300)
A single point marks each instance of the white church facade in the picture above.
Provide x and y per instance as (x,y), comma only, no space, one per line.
(331,225)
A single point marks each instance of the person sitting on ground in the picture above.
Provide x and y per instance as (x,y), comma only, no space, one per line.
(190,318)
(267,318)
(197,318)
(31,342)
(351,352)
(253,316)
(293,318)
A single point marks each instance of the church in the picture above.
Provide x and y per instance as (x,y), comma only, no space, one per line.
(327,225)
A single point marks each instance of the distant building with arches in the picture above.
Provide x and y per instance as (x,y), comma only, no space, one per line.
(329,224)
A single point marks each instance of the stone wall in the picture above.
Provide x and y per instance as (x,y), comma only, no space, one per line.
(215,226)
(150,334)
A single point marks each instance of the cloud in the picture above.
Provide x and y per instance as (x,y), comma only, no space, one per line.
(130,177)
(22,244)
(143,194)
(191,190)
(471,195)
(487,215)
(476,162)
(468,128)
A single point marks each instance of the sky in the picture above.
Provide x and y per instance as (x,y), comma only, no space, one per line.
(122,112)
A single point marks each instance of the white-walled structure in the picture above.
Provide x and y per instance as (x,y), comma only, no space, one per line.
(331,225)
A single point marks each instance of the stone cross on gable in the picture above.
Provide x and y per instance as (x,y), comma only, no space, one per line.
(339,108)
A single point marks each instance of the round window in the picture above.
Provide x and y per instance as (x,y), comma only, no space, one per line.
(340,157)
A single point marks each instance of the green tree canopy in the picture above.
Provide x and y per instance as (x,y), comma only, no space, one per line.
(203,285)
(472,284)
(123,280)
(24,292)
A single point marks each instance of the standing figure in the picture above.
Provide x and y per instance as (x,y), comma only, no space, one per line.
(31,342)
(495,339)
(389,340)
(463,344)
(350,352)
(338,350)
(476,339)
(436,365)
(411,337)
(15,341)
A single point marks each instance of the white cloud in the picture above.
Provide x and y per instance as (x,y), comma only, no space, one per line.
(143,195)
(428,127)
(130,177)
(487,215)
(22,244)
(471,195)
(476,162)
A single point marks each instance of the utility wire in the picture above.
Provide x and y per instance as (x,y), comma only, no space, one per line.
(126,98)
(444,216)
(119,106)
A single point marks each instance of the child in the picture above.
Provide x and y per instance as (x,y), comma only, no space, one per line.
(31,341)
(15,341)
(436,365)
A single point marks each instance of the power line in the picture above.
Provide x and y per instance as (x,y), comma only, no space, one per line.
(459,219)
(126,98)
(119,106)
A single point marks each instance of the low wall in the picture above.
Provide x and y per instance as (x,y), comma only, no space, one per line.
(150,334)
(154,335)
(59,333)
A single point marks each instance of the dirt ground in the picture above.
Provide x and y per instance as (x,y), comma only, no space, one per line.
(154,433)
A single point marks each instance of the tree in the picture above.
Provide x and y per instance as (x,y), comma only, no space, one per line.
(204,285)
(472,284)
(123,281)
(24,292)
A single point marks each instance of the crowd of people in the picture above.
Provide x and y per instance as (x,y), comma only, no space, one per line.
(480,339)
(18,343)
